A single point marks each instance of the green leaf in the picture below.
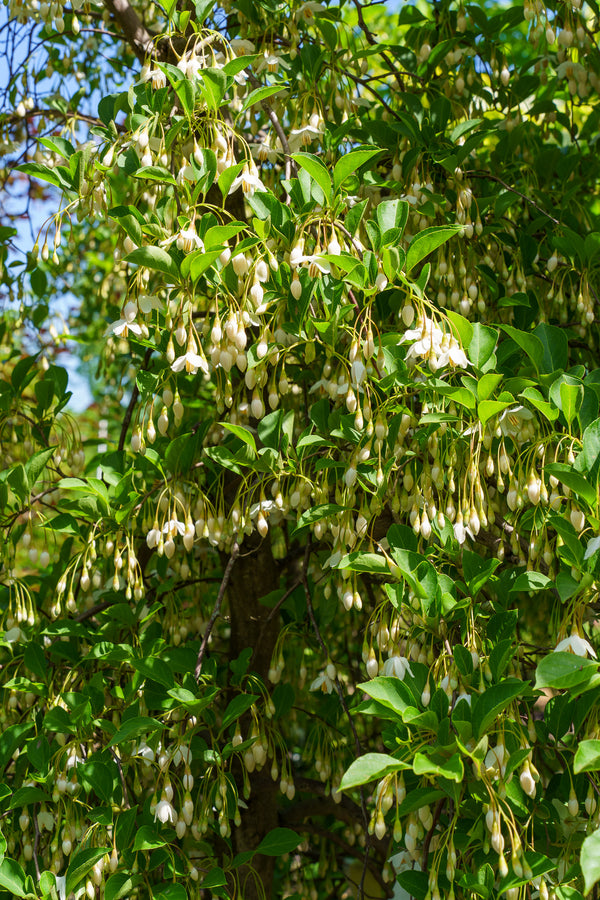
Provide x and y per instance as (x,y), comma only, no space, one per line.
(493,701)
(591,449)
(349,163)
(482,344)
(155,173)
(571,398)
(316,170)
(237,707)
(529,343)
(121,884)
(58,145)
(132,728)
(487,409)
(452,768)
(36,464)
(392,214)
(81,863)
(370,767)
(587,757)
(52,176)
(462,327)
(154,258)
(278,841)
(147,838)
(216,878)
(531,581)
(359,561)
(391,692)
(26,795)
(154,668)
(317,513)
(426,241)
(13,878)
(261,93)
(169,891)
(573,480)
(555,346)
(562,671)
(590,860)
(244,434)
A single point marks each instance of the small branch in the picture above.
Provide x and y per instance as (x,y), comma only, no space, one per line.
(36,843)
(435,819)
(133,400)
(235,549)
(271,616)
(473,174)
(122,777)
(136,34)
(290,165)
(99,607)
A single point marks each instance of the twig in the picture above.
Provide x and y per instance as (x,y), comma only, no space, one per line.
(474,174)
(36,843)
(122,777)
(435,818)
(272,615)
(136,34)
(373,41)
(235,549)
(133,400)
(290,165)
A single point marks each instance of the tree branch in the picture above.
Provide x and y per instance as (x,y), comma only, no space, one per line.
(235,549)
(133,400)
(135,32)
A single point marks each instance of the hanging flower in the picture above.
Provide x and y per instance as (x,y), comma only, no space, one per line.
(577,645)
(165,812)
(398,666)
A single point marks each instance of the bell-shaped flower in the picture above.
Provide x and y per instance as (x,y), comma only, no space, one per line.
(322,683)
(165,812)
(398,666)
(577,645)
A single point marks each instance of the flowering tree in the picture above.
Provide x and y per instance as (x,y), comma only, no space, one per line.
(304,605)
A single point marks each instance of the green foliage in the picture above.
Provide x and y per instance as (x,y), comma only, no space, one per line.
(332,272)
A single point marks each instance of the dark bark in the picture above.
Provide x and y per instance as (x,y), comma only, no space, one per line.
(254,575)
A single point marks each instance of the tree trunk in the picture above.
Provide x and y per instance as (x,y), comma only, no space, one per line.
(254,575)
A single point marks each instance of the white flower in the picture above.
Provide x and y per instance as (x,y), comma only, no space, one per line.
(577,645)
(322,683)
(13,635)
(307,10)
(358,373)
(398,666)
(191,362)
(148,302)
(122,327)
(146,752)
(316,264)
(241,47)
(152,538)
(494,761)
(302,137)
(165,812)
(248,180)
(463,696)
(174,527)
(439,348)
(187,239)
(512,421)
(593,545)
(45,820)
